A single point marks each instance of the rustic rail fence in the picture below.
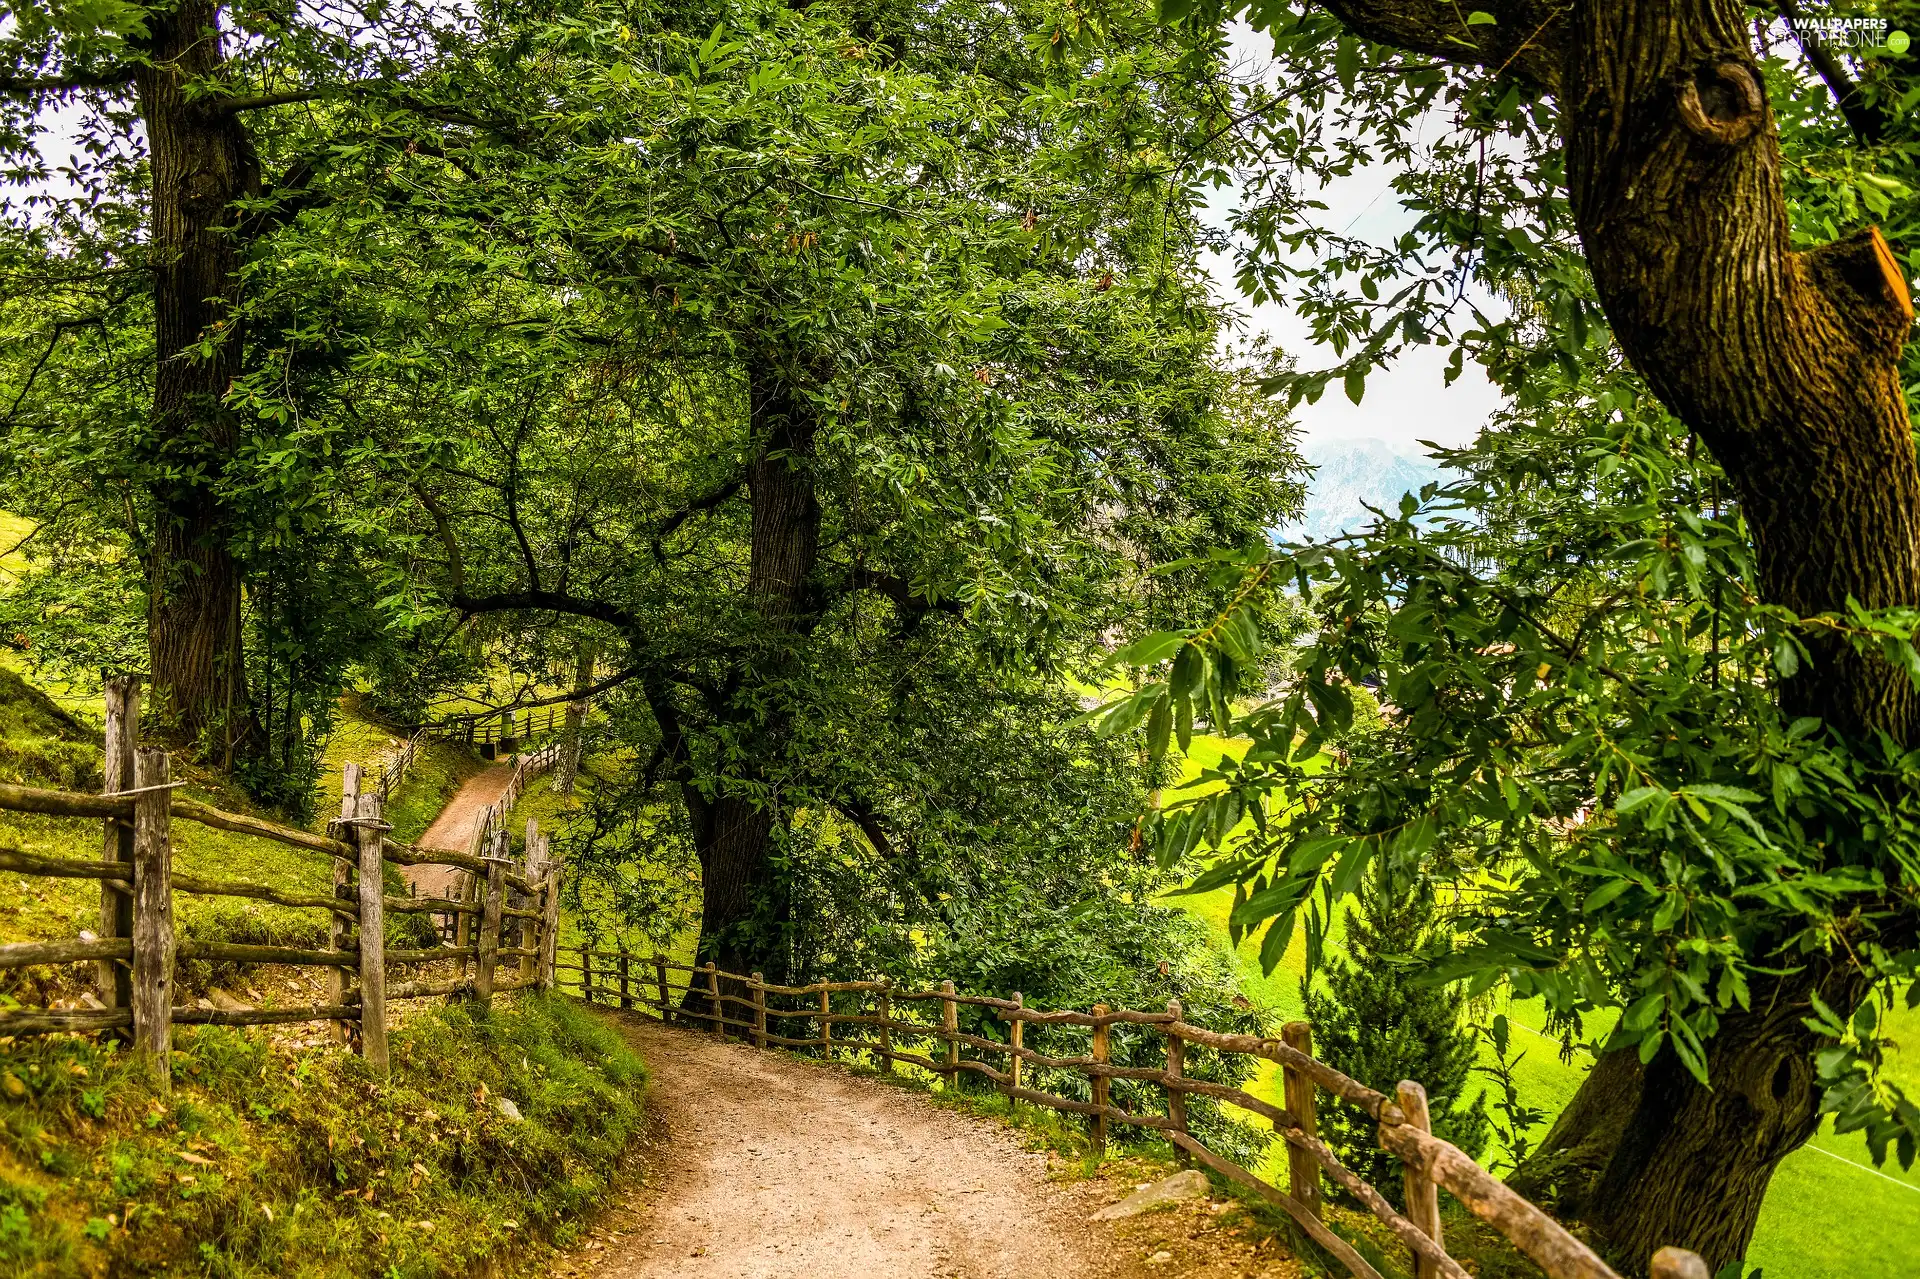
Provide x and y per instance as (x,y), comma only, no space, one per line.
(137,949)
(731,1002)
(394,767)
(500,728)
(492,820)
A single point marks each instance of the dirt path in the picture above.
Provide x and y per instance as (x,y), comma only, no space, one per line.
(452,830)
(767,1167)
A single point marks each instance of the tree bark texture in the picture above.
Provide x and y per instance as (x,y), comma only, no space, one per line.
(202,162)
(1786,363)
(741,921)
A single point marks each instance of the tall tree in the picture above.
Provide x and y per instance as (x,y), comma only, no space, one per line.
(167,182)
(1617,172)
(799,360)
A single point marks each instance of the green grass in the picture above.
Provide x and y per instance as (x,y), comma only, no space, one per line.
(1829,1214)
(32,735)
(439,769)
(273,1162)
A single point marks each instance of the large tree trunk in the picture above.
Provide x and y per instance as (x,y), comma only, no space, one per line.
(202,162)
(1648,1158)
(1787,364)
(744,914)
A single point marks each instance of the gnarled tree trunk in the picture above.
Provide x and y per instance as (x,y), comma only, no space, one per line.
(1787,364)
(202,162)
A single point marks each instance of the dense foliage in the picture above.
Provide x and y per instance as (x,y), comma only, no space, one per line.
(827,381)
(1586,737)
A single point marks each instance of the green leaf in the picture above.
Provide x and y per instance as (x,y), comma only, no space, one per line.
(1604,894)
(1151,648)
(1273,947)
(1159,729)
(1356,384)
(1480,18)
(1687,1045)
(1636,797)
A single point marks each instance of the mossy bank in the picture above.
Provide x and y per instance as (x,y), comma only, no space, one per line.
(493,1137)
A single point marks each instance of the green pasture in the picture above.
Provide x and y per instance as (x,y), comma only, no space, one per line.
(1829,1214)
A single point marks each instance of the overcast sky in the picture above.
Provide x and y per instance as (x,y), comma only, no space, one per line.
(1405,402)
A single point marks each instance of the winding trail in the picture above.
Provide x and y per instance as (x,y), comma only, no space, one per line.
(452,830)
(759,1165)
(765,1166)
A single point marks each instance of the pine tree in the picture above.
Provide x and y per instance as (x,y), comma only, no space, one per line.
(1377,1023)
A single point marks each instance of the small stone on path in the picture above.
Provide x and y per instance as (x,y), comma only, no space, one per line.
(1191,1184)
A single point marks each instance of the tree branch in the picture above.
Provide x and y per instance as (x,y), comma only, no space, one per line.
(1524,39)
(901,592)
(551,602)
(706,502)
(576,695)
(862,814)
(115,77)
(456,566)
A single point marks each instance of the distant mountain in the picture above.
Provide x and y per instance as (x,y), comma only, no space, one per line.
(1350,475)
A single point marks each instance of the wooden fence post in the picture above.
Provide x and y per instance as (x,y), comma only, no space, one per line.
(533,866)
(550,918)
(586,971)
(152,985)
(489,957)
(1015,1033)
(713,994)
(1678,1263)
(339,926)
(1303,1170)
(826,1025)
(1423,1196)
(950,1027)
(1100,1088)
(1176,1069)
(626,991)
(114,977)
(373,935)
(884,1006)
(759,1010)
(660,980)
(462,920)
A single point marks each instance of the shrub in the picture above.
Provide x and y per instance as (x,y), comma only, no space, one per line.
(1380,1023)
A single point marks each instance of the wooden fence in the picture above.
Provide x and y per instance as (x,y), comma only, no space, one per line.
(393,768)
(492,821)
(656,985)
(497,727)
(136,948)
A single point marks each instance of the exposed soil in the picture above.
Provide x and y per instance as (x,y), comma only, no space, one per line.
(452,830)
(765,1165)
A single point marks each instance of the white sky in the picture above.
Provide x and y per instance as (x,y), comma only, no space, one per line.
(1405,402)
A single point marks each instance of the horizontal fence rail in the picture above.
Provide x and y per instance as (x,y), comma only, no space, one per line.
(526,766)
(500,910)
(871,1019)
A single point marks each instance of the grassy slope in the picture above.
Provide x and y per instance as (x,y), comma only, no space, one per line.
(1829,1213)
(438,770)
(92,1176)
(270,1162)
